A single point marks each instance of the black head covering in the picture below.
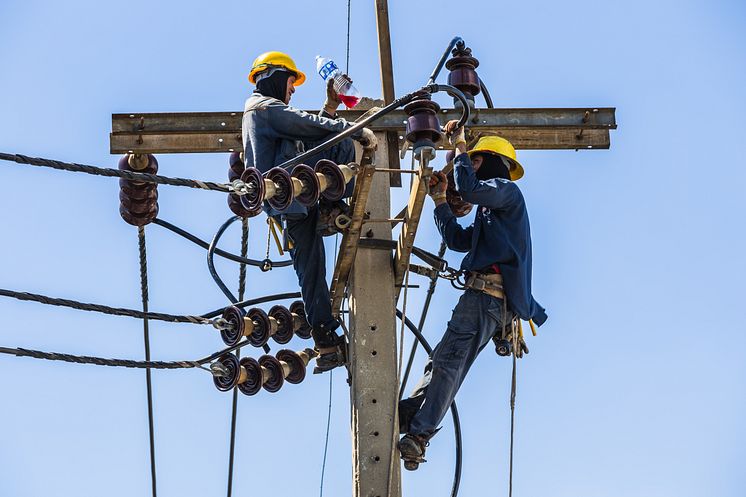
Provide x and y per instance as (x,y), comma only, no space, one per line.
(492,167)
(275,85)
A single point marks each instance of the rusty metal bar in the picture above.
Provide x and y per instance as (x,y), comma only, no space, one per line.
(193,132)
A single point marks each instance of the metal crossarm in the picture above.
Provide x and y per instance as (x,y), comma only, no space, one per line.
(190,132)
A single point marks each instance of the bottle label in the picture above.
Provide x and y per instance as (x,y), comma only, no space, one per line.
(327,69)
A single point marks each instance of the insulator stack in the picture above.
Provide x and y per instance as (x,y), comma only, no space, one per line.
(279,324)
(138,200)
(463,74)
(269,372)
(423,126)
(235,170)
(279,188)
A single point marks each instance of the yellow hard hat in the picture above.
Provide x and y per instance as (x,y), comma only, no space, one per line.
(268,60)
(498,145)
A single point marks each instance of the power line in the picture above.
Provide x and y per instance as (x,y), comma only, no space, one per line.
(103,309)
(117,173)
(157,316)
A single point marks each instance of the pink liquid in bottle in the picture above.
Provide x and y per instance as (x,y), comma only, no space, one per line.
(350,101)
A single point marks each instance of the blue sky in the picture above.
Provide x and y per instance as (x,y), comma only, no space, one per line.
(635,386)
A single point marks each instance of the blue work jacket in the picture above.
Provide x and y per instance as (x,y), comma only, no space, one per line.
(499,235)
(274,132)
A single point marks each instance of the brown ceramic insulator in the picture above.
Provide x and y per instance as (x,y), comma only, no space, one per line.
(463,73)
(306,187)
(137,206)
(136,189)
(297,371)
(151,168)
(228,381)
(235,205)
(423,124)
(276,373)
(262,328)
(283,196)
(284,319)
(138,219)
(138,195)
(253,200)
(335,180)
(304,330)
(235,331)
(235,166)
(254,376)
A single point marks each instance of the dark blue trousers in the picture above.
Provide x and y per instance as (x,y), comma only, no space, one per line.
(309,257)
(475,320)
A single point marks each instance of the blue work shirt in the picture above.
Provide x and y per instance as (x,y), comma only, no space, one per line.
(500,235)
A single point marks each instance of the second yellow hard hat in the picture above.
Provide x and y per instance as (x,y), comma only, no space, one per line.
(499,146)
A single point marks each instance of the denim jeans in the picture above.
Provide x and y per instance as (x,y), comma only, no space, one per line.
(475,320)
(309,257)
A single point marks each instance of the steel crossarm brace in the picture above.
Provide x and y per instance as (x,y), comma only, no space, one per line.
(351,238)
(531,128)
(411,220)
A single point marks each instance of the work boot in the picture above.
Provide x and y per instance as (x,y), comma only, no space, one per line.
(412,450)
(331,356)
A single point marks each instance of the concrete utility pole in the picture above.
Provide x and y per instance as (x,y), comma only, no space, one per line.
(375,381)
(373,393)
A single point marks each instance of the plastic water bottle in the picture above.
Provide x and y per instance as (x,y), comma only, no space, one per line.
(347,93)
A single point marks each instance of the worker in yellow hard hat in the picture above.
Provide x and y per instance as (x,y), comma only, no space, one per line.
(274,132)
(497,269)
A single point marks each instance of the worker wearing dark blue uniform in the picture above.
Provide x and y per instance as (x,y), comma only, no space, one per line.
(274,132)
(498,265)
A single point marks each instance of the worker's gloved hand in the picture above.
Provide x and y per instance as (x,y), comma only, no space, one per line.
(455,133)
(333,101)
(438,184)
(368,139)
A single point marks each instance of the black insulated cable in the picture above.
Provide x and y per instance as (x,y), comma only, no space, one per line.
(222,253)
(211,265)
(439,65)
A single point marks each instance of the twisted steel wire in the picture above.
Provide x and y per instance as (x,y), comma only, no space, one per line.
(117,173)
(234,406)
(103,309)
(157,316)
(146,338)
